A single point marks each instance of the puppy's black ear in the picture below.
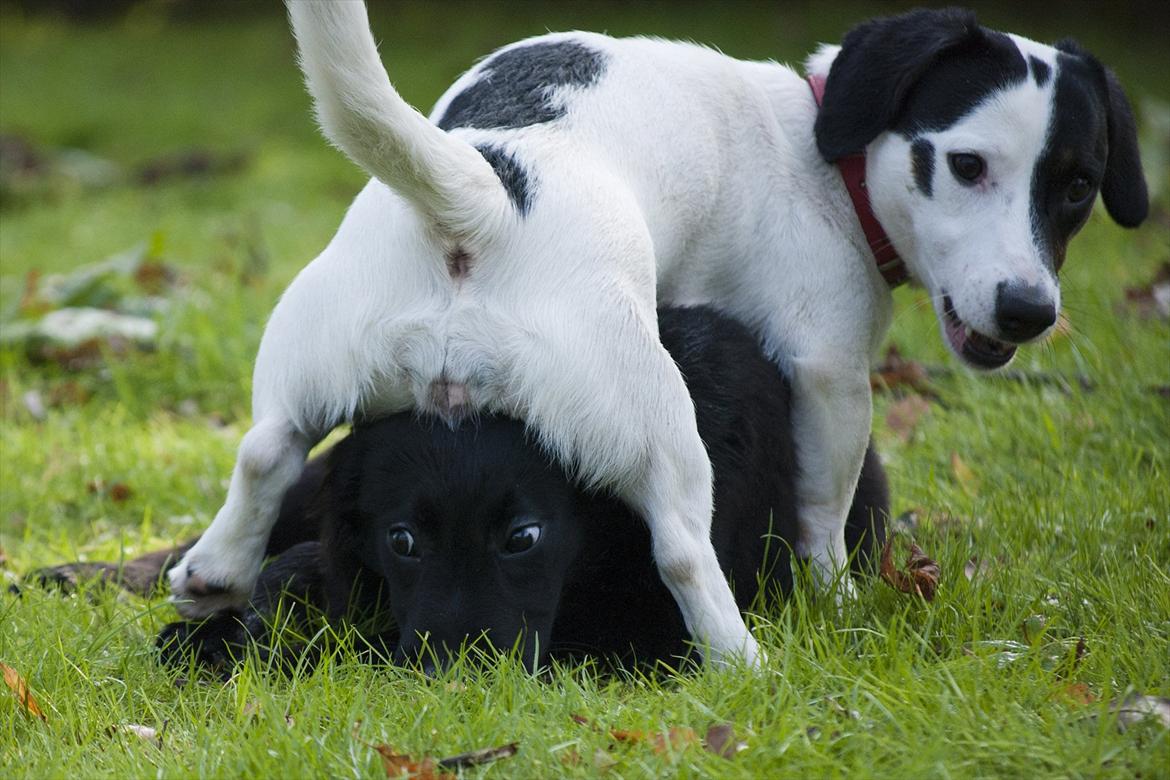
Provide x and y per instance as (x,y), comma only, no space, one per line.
(1124,187)
(879,62)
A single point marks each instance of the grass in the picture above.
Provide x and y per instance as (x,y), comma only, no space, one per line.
(1067,496)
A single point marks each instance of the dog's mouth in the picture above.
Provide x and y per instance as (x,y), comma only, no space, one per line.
(975,348)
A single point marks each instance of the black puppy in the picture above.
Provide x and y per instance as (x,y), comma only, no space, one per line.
(474,534)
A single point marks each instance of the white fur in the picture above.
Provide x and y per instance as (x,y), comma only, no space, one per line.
(717,195)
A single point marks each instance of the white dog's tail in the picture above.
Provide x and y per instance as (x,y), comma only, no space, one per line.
(445,178)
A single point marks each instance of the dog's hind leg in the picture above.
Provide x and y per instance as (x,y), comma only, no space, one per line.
(220,571)
(606,396)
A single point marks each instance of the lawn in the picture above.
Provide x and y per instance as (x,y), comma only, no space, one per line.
(1044,494)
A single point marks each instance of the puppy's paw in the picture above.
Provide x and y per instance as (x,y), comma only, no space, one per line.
(201,585)
(69,576)
(215,642)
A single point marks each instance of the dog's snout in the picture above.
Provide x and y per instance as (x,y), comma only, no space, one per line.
(1023,311)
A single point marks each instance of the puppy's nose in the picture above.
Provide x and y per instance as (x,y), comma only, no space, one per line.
(1023,311)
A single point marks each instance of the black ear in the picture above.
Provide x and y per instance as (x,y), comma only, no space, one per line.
(879,62)
(1124,187)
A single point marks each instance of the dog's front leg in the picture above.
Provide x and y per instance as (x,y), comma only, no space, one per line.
(220,571)
(832,414)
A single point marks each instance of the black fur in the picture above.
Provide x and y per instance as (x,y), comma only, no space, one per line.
(1089,95)
(924,70)
(1040,70)
(922,161)
(915,72)
(511,174)
(1092,136)
(589,585)
(515,85)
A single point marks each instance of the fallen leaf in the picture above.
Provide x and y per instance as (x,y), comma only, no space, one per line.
(400,765)
(581,720)
(477,757)
(1135,708)
(1153,298)
(1078,693)
(904,414)
(119,492)
(921,575)
(721,740)
(964,475)
(897,372)
(18,686)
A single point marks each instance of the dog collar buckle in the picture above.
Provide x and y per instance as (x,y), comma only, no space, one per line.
(852,169)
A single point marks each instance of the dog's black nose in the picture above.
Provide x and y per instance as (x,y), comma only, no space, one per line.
(1023,311)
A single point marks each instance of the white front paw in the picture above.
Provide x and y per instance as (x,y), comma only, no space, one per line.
(207,581)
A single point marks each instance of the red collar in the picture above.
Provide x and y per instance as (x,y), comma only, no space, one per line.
(852,168)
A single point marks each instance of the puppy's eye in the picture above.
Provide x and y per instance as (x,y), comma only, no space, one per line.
(1079,189)
(967,167)
(522,538)
(402,542)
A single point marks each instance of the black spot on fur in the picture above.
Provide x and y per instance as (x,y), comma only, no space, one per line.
(918,72)
(922,160)
(516,87)
(960,81)
(1091,136)
(1040,70)
(512,175)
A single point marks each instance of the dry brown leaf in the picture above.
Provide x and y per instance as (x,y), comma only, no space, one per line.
(1078,693)
(898,372)
(721,740)
(19,687)
(119,492)
(904,414)
(964,475)
(669,741)
(400,765)
(481,756)
(1152,299)
(921,575)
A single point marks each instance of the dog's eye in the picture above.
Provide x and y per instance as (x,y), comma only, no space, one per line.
(967,167)
(522,538)
(1079,189)
(401,542)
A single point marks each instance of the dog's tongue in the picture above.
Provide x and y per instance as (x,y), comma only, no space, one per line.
(976,348)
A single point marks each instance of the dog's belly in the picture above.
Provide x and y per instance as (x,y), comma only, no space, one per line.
(449,364)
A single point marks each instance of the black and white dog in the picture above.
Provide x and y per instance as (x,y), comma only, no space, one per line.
(508,257)
(415,530)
